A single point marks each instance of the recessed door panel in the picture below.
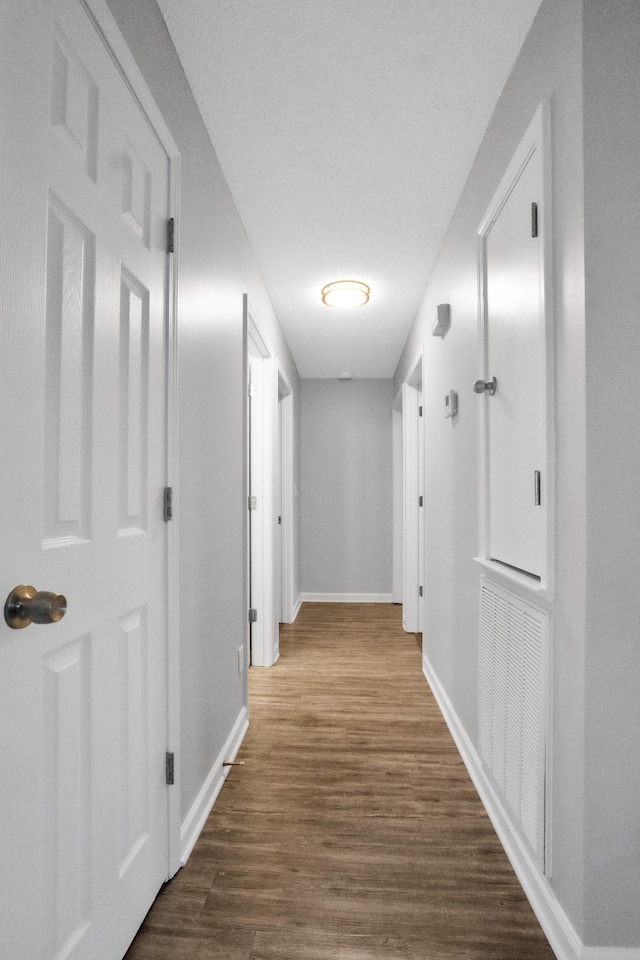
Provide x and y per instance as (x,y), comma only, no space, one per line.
(134,736)
(134,361)
(74,104)
(68,860)
(68,362)
(136,193)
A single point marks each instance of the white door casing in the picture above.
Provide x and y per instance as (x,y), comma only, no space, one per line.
(515,347)
(86,333)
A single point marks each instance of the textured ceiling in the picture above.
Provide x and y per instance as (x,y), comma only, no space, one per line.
(346,130)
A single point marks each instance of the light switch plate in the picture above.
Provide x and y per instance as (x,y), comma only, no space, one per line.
(450,404)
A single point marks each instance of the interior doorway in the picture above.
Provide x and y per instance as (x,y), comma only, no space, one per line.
(262,390)
(286,497)
(413,501)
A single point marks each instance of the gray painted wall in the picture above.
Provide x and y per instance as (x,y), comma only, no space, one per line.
(346,480)
(216,267)
(611,88)
(582,57)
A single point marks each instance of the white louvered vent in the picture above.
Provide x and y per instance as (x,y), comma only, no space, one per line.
(514,640)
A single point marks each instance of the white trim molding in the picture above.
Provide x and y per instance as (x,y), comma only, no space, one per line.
(346,598)
(201,808)
(610,953)
(296,608)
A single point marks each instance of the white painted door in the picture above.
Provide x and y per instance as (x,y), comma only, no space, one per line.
(83,711)
(412,510)
(278,545)
(286,494)
(421,512)
(515,353)
(262,515)
(256,549)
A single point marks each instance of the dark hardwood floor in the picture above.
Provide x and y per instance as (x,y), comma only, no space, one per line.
(352,832)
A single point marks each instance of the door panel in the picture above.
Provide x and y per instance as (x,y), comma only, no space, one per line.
(70,298)
(412,513)
(83,392)
(262,518)
(67,856)
(515,344)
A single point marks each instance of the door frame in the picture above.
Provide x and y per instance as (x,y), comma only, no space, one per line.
(412,488)
(106,26)
(536,138)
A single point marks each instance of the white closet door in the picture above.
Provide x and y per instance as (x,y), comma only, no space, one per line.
(515,354)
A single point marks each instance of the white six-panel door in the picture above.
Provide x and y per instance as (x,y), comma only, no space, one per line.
(83,713)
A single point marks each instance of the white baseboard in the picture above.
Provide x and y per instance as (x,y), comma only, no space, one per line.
(296,608)
(564,941)
(201,808)
(610,953)
(346,598)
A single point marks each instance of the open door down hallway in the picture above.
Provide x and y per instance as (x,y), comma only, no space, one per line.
(352,831)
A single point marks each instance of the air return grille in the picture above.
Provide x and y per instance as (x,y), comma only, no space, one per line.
(513,655)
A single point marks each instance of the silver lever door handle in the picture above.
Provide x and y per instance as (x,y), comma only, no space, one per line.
(479,386)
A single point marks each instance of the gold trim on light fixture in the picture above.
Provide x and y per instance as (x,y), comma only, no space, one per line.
(345,294)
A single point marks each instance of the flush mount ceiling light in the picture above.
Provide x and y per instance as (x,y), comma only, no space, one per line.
(345,294)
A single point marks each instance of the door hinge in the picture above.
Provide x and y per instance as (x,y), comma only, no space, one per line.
(279,521)
(171,235)
(536,488)
(252,503)
(420,411)
(253,615)
(534,219)
(168,503)
(169,769)
(421,501)
(420,591)
(252,391)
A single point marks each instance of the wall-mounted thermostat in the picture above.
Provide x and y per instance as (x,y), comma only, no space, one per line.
(443,320)
(450,404)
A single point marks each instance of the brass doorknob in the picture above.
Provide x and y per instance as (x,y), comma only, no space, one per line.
(27,605)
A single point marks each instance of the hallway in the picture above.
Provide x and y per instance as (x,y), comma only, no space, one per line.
(352,832)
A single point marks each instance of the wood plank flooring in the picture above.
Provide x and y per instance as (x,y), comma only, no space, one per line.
(352,832)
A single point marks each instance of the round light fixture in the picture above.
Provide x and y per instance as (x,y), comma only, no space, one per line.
(345,294)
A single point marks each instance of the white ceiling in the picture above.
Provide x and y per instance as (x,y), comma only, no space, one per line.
(346,130)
